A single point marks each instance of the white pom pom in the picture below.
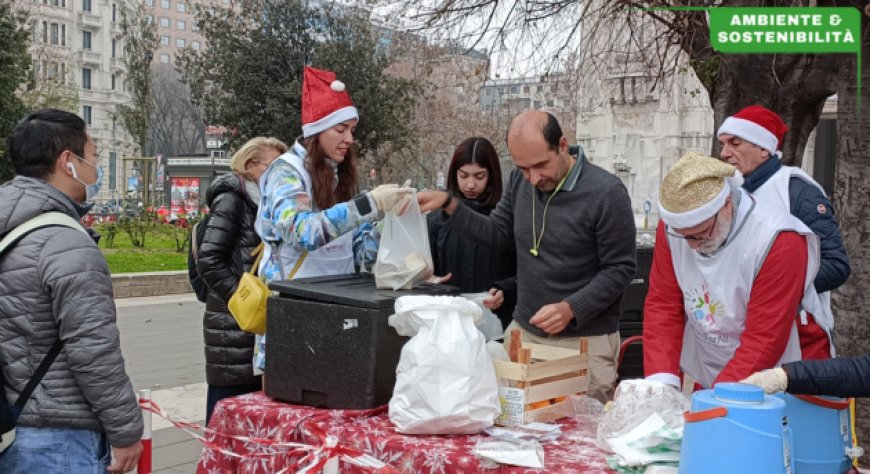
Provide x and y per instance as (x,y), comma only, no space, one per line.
(337,86)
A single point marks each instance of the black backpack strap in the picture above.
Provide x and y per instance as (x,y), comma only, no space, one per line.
(37,377)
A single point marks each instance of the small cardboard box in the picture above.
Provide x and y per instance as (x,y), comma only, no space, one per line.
(544,374)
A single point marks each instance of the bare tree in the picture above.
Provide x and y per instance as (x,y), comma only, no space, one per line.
(140,42)
(176,125)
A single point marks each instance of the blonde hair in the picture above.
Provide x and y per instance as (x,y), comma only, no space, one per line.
(251,150)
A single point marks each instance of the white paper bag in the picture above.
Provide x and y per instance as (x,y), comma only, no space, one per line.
(445,381)
(404,257)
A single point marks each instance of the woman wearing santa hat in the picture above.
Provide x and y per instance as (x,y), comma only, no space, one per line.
(311,218)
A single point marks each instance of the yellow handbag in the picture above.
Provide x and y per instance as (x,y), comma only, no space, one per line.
(248,303)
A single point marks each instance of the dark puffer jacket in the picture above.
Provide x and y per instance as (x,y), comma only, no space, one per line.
(55,284)
(840,377)
(224,254)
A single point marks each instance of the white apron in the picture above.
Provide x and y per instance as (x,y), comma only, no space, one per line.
(334,258)
(716,289)
(774,191)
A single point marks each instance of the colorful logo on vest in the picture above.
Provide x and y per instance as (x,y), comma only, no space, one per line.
(702,309)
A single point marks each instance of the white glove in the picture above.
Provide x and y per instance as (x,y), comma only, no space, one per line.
(390,197)
(771,380)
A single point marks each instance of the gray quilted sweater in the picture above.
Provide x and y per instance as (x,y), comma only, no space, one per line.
(56,283)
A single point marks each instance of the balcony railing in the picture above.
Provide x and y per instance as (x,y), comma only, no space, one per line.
(89,19)
(87,56)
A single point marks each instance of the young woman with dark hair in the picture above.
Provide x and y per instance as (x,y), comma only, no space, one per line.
(309,219)
(475,177)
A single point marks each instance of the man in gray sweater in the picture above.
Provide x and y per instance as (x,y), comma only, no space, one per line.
(574,232)
(55,285)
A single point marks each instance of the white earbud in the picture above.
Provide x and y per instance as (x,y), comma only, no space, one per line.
(71,168)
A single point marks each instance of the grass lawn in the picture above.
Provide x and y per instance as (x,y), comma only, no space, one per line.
(158,255)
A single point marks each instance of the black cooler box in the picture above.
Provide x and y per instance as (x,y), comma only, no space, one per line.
(329,344)
(631,319)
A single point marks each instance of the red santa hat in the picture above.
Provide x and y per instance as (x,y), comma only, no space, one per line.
(325,102)
(758,125)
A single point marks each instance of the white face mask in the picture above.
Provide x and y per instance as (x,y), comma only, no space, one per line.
(91,190)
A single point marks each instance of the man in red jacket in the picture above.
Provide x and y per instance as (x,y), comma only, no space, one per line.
(728,277)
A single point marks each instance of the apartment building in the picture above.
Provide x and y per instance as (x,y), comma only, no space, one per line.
(176,25)
(79,43)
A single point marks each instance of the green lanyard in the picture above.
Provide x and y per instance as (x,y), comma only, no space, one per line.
(536,240)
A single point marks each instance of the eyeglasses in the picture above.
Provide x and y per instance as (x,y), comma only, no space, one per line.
(696,237)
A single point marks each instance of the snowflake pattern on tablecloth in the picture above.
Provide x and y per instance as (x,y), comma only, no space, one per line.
(437,461)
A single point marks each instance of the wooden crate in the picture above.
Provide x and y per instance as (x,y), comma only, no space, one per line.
(542,373)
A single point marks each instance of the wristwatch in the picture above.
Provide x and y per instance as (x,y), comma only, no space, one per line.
(362,204)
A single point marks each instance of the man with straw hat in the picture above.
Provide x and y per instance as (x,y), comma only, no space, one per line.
(729,274)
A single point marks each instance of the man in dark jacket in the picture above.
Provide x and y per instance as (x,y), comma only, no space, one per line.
(55,284)
(838,377)
(573,228)
(750,141)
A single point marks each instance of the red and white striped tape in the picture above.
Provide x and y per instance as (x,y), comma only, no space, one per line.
(314,458)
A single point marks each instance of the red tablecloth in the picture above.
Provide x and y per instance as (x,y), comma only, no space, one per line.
(256,415)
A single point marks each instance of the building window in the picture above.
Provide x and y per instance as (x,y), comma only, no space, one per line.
(540,88)
(52,70)
(194,45)
(164,40)
(63,73)
(164,58)
(149,3)
(514,89)
(86,6)
(87,114)
(45,32)
(487,92)
(86,40)
(180,42)
(114,78)
(182,7)
(114,13)
(164,22)
(54,33)
(180,25)
(164,4)
(86,78)
(63,35)
(149,19)
(114,47)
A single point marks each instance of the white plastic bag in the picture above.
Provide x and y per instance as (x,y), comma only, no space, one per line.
(644,425)
(489,324)
(445,381)
(404,257)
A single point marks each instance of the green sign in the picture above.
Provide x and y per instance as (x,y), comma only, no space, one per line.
(785,30)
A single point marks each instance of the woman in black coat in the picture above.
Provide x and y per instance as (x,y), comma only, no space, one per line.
(223,255)
(475,177)
(839,377)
